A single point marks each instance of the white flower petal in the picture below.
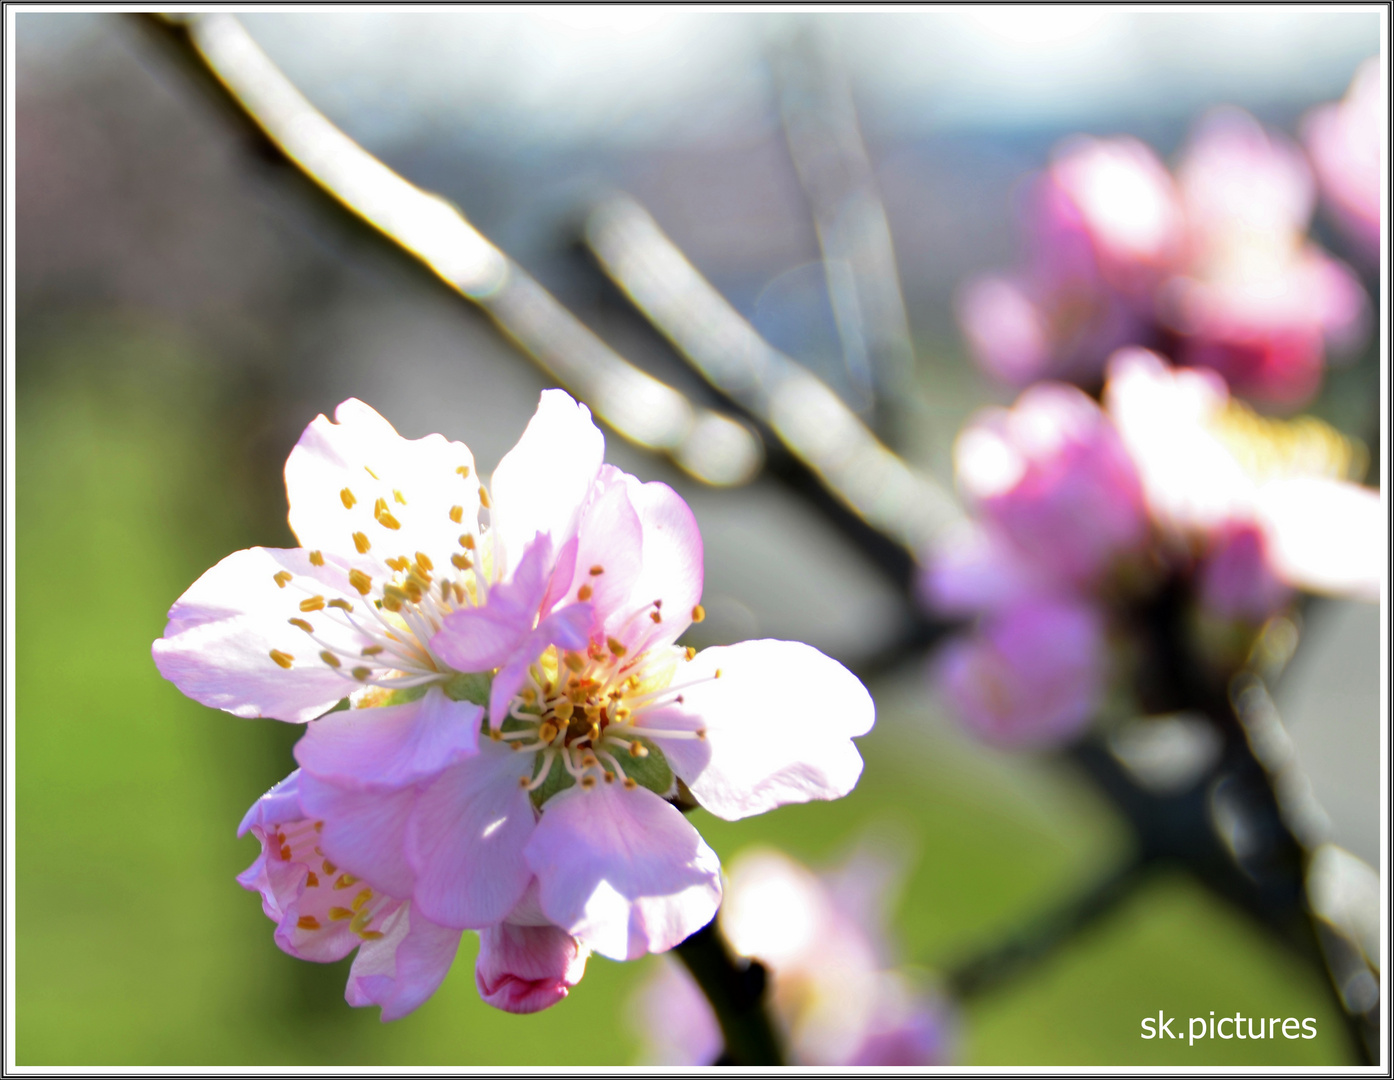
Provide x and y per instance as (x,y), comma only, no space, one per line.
(541,484)
(779,725)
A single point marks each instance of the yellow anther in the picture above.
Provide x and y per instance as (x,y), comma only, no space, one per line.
(379,507)
(342,605)
(387,521)
(457,514)
(463,470)
(597,570)
(348,498)
(424,563)
(548,731)
(285,853)
(302,624)
(609,777)
(281,577)
(312,880)
(360,581)
(369,935)
(362,673)
(690,652)
(391,603)
(400,563)
(699,613)
(717,675)
(575,661)
(314,603)
(399,496)
(588,781)
(371,650)
(284,659)
(329,658)
(529,695)
(361,899)
(340,913)
(395,592)
(484,497)
(467,541)
(370,472)
(523,782)
(460,562)
(701,733)
(563,710)
(495,734)
(655,616)
(329,868)
(316,558)
(345,880)
(360,541)
(445,588)
(638,749)
(361,921)
(615,646)
(629,784)
(307,922)
(583,593)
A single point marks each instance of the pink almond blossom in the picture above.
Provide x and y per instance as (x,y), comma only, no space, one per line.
(1344,141)
(1257,301)
(1054,486)
(1029,676)
(835,994)
(1210,467)
(544,611)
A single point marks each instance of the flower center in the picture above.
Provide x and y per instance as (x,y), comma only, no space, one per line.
(403,603)
(579,715)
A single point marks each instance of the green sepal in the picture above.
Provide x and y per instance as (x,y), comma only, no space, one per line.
(651,771)
(472,687)
(557,780)
(406,696)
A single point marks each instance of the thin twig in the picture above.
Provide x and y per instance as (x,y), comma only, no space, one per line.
(711,447)
(736,990)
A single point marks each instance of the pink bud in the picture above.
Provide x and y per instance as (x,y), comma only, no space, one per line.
(525,969)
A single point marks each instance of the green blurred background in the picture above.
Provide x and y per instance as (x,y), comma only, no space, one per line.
(183,313)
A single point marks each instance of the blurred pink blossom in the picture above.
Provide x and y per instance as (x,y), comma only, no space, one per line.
(1208,475)
(1344,141)
(834,994)
(1213,266)
(1029,676)
(1257,301)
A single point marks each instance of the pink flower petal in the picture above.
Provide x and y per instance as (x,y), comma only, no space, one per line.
(295,892)
(404,967)
(542,483)
(466,840)
(610,554)
(525,969)
(280,804)
(1032,676)
(622,870)
(338,471)
(567,629)
(363,832)
(218,645)
(477,639)
(779,722)
(1326,536)
(391,745)
(671,576)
